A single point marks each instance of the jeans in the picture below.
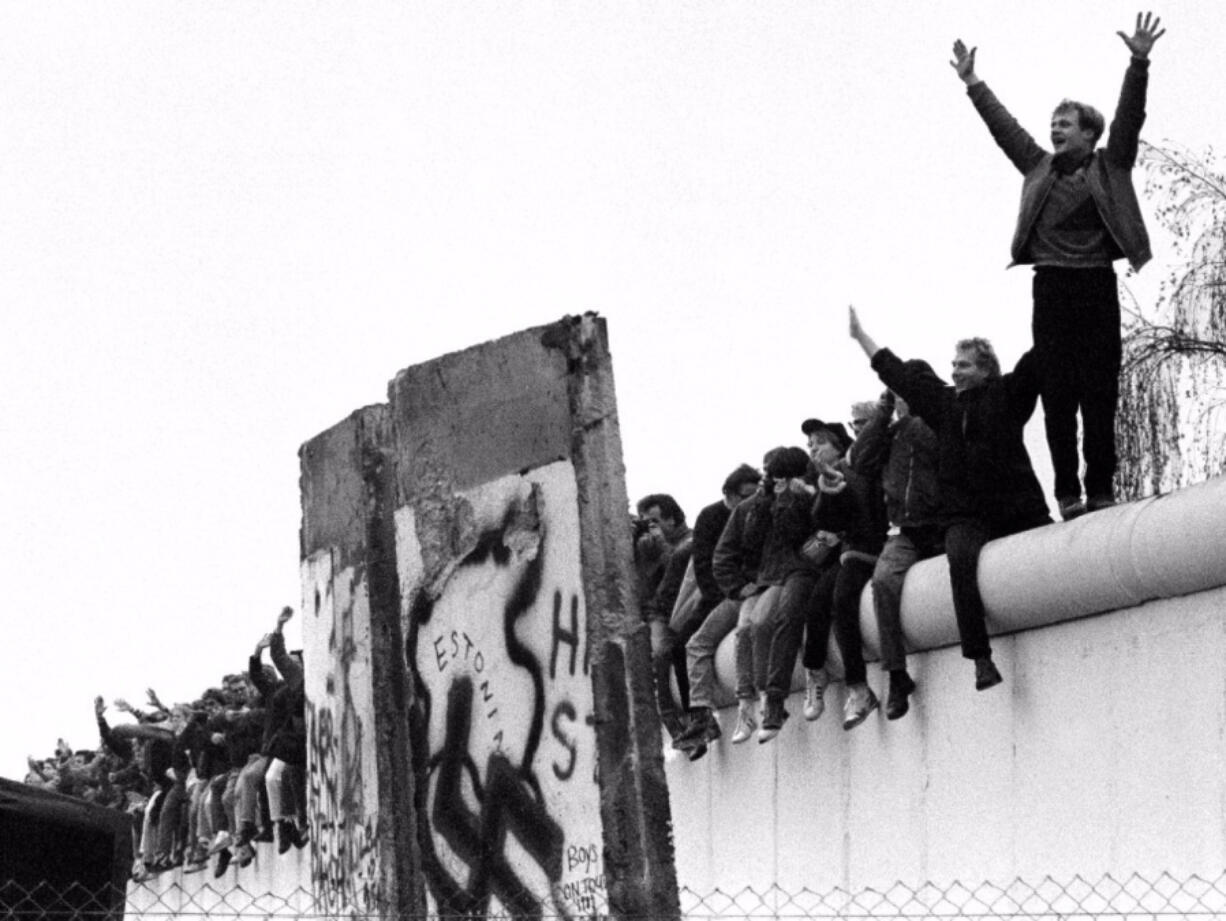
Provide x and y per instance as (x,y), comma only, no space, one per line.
(902,551)
(789,624)
(250,779)
(700,651)
(1076,328)
(286,784)
(754,627)
(170,823)
(964,540)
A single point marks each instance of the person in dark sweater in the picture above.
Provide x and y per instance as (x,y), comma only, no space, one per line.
(1078,214)
(849,504)
(714,616)
(987,486)
(903,454)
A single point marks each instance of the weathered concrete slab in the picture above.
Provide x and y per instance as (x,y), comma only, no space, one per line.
(534,738)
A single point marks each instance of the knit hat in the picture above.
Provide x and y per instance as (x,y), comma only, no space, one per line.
(785,463)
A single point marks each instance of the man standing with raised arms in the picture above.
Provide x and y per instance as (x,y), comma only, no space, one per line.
(1078,214)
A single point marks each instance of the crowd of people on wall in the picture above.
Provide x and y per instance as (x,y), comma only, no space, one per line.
(209,779)
(929,468)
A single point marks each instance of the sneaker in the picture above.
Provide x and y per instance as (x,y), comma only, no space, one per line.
(816,680)
(220,842)
(772,720)
(1071,507)
(223,862)
(896,703)
(986,674)
(745,722)
(861,701)
(1097,503)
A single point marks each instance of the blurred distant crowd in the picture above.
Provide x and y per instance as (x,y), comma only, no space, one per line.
(205,780)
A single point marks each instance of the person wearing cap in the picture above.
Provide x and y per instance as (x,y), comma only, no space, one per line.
(903,454)
(987,486)
(1078,214)
(848,503)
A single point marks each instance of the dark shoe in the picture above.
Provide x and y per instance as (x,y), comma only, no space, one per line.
(223,862)
(986,674)
(286,833)
(672,722)
(703,728)
(264,835)
(244,854)
(696,750)
(772,720)
(302,836)
(896,704)
(1097,503)
(1071,507)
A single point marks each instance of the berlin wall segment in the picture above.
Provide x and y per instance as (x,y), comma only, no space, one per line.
(532,725)
(360,800)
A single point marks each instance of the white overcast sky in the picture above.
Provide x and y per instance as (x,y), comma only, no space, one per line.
(226,225)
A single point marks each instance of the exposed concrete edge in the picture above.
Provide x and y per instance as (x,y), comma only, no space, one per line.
(357,526)
(638,844)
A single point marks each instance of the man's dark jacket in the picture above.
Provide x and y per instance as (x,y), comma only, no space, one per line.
(1108,175)
(983,467)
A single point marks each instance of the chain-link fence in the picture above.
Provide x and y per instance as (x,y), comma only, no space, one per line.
(1137,896)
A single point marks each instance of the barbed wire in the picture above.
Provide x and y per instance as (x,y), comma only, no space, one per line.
(1077,899)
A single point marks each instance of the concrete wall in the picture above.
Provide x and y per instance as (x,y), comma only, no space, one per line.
(482,732)
(539,782)
(1102,752)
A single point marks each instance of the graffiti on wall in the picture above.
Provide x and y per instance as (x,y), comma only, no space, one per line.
(501,736)
(342,809)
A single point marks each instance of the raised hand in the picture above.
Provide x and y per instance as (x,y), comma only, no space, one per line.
(1147,32)
(99,705)
(964,63)
(283,617)
(122,705)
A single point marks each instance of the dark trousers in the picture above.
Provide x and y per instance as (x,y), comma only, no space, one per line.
(964,540)
(671,657)
(1076,328)
(837,598)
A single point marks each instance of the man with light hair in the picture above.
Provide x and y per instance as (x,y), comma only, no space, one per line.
(986,487)
(1078,214)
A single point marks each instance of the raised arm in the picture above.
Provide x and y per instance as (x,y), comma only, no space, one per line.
(1143,37)
(1021,149)
(286,664)
(1130,110)
(860,334)
(964,63)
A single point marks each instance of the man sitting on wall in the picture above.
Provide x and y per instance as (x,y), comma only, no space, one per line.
(987,486)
